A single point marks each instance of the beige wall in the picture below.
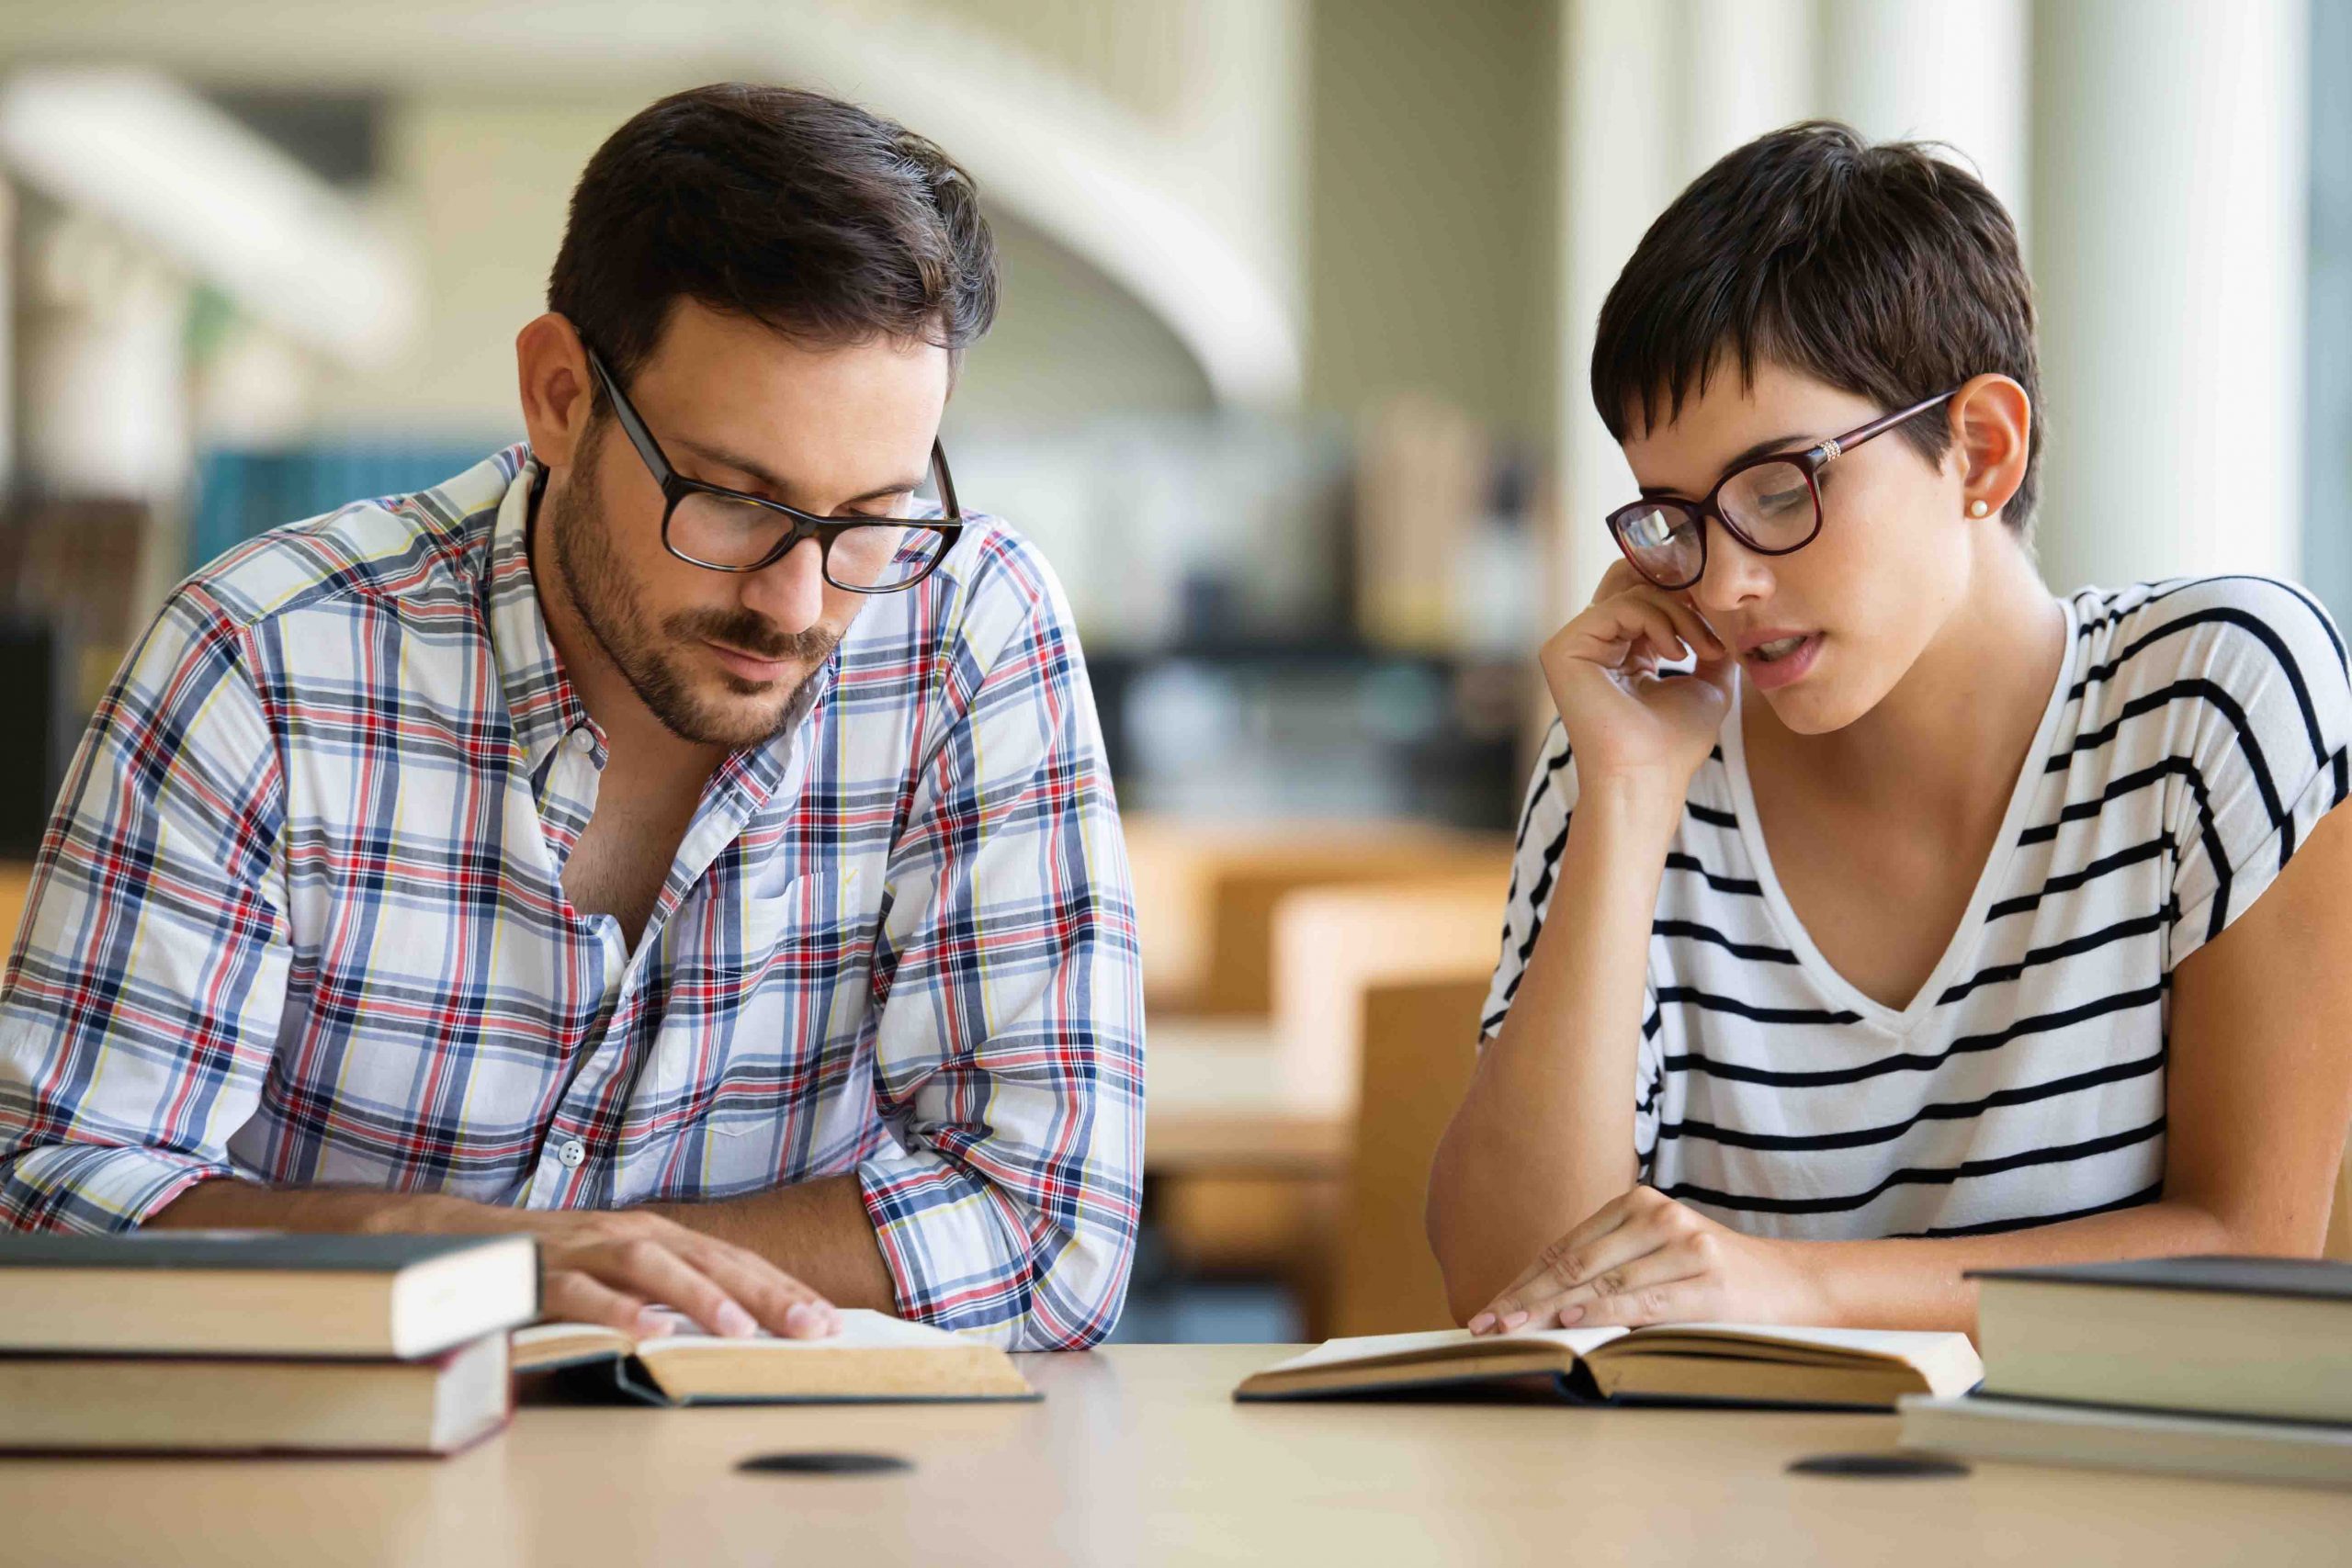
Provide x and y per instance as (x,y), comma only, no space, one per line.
(1432,237)
(483,182)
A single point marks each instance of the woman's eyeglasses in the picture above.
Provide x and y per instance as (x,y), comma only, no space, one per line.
(1771,505)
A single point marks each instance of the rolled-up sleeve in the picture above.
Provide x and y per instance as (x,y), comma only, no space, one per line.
(140,1004)
(1010,1040)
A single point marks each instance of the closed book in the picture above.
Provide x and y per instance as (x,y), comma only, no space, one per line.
(247,1404)
(263,1292)
(873,1358)
(1687,1363)
(2303,1453)
(2266,1336)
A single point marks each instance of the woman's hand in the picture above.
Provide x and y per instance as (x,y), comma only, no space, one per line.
(1623,718)
(1644,1259)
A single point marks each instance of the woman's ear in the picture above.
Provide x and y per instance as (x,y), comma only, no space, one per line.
(1991,428)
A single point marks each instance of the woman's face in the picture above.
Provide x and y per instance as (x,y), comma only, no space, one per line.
(1890,564)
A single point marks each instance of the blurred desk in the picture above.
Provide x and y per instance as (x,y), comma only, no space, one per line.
(1206,894)
(1214,1101)
(1137,1455)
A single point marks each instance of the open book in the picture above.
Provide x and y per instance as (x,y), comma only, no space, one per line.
(1713,1363)
(873,1358)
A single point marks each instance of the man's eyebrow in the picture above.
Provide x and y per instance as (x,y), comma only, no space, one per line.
(776,487)
(1769,443)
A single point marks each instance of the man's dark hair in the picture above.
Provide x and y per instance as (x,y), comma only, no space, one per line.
(1885,271)
(828,223)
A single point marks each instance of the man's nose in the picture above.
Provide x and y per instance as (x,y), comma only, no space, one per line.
(790,593)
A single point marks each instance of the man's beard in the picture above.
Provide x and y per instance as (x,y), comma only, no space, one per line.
(653,661)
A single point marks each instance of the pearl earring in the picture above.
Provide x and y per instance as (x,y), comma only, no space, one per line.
(1977,509)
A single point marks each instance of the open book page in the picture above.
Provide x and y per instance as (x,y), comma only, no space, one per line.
(1947,1362)
(553,1344)
(1438,1343)
(1892,1343)
(861,1330)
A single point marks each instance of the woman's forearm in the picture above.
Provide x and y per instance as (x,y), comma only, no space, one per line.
(1918,1283)
(1544,1134)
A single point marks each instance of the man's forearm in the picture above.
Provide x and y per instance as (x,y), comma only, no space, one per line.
(1917,1283)
(248,1205)
(818,1232)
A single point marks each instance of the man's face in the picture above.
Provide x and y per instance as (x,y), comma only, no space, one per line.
(718,657)
(1890,563)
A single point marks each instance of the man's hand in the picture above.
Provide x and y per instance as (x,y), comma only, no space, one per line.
(612,1267)
(596,1265)
(1644,1258)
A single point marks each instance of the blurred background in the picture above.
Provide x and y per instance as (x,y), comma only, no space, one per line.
(1288,381)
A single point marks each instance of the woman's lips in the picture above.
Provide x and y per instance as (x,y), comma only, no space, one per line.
(1769,674)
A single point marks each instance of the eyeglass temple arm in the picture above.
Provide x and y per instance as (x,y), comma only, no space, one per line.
(1837,444)
(631,426)
(946,483)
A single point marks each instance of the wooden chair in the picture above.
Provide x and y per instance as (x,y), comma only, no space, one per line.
(1333,945)
(15,887)
(2339,1219)
(1419,1045)
(1250,1180)
(1206,895)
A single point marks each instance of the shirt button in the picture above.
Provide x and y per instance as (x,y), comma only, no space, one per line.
(581,741)
(572,1153)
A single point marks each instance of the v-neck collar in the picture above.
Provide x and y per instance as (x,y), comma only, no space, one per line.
(1966,937)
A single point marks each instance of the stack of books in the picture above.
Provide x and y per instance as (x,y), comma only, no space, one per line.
(2235,1367)
(239,1341)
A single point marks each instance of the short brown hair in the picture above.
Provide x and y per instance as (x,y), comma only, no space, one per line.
(1886,271)
(827,222)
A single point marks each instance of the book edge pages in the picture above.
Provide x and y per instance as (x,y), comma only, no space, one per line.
(1974,1429)
(1404,1374)
(432,1288)
(841,1373)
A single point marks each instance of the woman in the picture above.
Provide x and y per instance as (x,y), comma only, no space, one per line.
(1930,922)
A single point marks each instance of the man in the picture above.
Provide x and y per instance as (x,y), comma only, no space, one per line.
(671,837)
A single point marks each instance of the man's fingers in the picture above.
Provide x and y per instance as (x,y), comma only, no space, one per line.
(650,1270)
(780,1304)
(572,1297)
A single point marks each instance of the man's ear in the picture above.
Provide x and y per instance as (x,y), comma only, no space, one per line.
(1992,427)
(551,373)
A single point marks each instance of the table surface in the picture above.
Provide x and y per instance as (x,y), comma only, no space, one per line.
(1137,1455)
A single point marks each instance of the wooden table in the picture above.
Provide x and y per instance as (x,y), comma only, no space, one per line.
(1216,1102)
(1137,1456)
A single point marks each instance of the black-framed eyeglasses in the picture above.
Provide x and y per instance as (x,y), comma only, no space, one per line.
(1771,505)
(726,530)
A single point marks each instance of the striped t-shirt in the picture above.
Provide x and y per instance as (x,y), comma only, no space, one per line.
(2195,733)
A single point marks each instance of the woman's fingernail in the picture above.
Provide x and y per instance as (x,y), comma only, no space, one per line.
(735,1322)
(1483,1321)
(653,1322)
(805,1321)
(1511,1320)
(1568,1316)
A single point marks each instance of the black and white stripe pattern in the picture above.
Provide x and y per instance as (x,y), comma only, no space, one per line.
(2196,733)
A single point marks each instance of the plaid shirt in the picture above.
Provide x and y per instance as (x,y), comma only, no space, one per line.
(299,919)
